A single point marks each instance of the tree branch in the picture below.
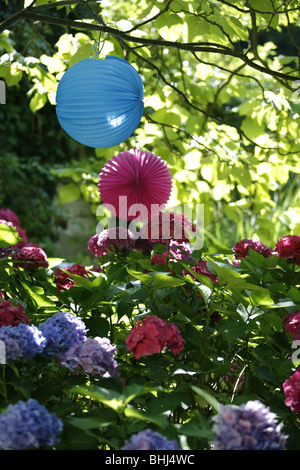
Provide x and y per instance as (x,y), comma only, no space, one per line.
(213,48)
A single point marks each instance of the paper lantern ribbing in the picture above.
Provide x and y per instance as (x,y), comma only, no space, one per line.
(139,176)
(100,102)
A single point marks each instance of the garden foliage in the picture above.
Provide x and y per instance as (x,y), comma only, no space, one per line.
(151,340)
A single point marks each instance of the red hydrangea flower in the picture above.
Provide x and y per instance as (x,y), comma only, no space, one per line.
(292,324)
(168,226)
(241,248)
(12,315)
(32,257)
(63,281)
(289,248)
(201,268)
(10,216)
(291,388)
(152,335)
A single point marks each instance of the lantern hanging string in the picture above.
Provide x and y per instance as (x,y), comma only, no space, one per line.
(98,51)
(136,142)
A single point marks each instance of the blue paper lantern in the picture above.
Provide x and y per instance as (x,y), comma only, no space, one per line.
(100,102)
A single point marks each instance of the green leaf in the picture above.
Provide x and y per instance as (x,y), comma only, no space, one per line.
(37,102)
(108,397)
(136,390)
(193,336)
(162,280)
(219,249)
(8,236)
(266,6)
(233,328)
(84,52)
(251,128)
(27,3)
(193,430)
(97,326)
(205,291)
(196,28)
(201,277)
(167,117)
(69,193)
(260,297)
(107,418)
(53,262)
(207,397)
(158,419)
(169,26)
(41,300)
(144,278)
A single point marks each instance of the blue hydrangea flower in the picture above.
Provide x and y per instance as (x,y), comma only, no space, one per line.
(62,331)
(251,426)
(149,440)
(95,356)
(22,340)
(27,425)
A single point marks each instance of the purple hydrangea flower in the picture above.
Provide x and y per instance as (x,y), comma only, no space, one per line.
(95,356)
(149,440)
(62,331)
(251,426)
(6,251)
(22,340)
(28,424)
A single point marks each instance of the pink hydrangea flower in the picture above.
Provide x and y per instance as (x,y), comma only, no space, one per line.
(292,324)
(32,257)
(241,248)
(116,238)
(10,216)
(291,388)
(95,248)
(288,247)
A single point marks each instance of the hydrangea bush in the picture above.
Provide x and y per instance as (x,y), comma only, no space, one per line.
(153,346)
